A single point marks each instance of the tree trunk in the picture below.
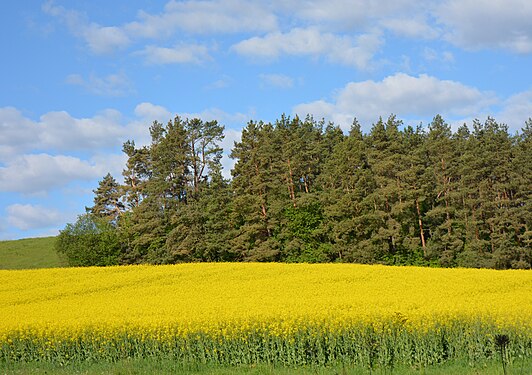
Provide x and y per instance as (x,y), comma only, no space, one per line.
(291,184)
(194,165)
(421,233)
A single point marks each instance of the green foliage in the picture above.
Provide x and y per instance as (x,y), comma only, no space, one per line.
(303,191)
(302,235)
(90,241)
(386,347)
(107,204)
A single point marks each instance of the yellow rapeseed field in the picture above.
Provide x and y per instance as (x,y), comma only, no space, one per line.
(228,300)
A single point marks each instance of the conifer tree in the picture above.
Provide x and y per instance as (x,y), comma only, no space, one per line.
(107,204)
(441,173)
(203,139)
(346,180)
(303,191)
(256,182)
(137,172)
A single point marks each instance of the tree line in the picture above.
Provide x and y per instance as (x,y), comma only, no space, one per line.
(303,191)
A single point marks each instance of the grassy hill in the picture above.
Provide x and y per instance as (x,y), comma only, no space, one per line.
(29,253)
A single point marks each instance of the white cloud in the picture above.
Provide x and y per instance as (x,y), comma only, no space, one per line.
(348,14)
(277,80)
(152,112)
(352,51)
(227,119)
(205,17)
(38,173)
(109,163)
(516,110)
(60,131)
(308,27)
(447,56)
(470,24)
(401,94)
(138,129)
(410,27)
(431,55)
(221,83)
(196,17)
(16,132)
(100,39)
(179,54)
(111,85)
(477,24)
(27,216)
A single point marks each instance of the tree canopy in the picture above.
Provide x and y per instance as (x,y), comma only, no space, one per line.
(303,191)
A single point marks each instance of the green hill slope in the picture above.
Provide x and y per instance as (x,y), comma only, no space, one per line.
(29,253)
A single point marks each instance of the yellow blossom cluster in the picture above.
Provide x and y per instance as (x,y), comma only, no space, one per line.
(226,300)
(201,296)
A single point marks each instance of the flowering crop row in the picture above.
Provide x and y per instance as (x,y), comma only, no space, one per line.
(276,313)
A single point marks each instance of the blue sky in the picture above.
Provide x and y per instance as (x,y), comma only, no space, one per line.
(78,78)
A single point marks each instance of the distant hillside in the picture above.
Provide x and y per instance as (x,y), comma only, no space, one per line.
(29,253)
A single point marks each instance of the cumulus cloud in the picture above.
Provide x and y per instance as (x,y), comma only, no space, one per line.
(205,17)
(111,85)
(430,55)
(317,27)
(100,39)
(60,131)
(16,132)
(516,110)
(225,118)
(470,24)
(348,14)
(152,112)
(196,17)
(38,173)
(410,27)
(104,39)
(277,80)
(60,153)
(221,83)
(27,216)
(347,50)
(476,24)
(179,54)
(401,94)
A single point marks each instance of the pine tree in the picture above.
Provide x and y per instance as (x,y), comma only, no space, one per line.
(107,203)
(520,214)
(346,181)
(163,190)
(414,196)
(256,182)
(137,172)
(203,139)
(384,157)
(201,231)
(303,191)
(441,173)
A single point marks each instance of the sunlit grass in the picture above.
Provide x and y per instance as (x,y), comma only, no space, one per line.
(29,253)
